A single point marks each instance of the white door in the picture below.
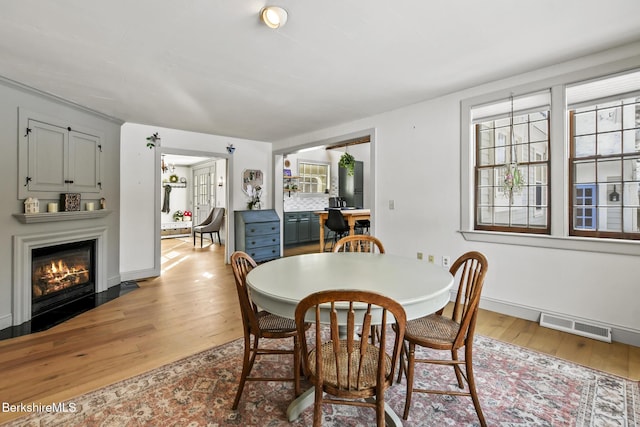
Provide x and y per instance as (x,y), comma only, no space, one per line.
(204,193)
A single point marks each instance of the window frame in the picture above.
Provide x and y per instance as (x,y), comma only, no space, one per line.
(301,176)
(559,237)
(596,158)
(498,165)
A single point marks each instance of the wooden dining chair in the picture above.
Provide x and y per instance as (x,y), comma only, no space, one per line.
(261,324)
(440,332)
(349,367)
(359,243)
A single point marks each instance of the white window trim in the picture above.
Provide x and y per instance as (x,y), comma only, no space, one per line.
(559,237)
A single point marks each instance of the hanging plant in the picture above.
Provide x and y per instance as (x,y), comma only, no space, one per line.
(152,140)
(348,162)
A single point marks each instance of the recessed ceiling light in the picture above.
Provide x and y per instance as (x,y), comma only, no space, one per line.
(273,16)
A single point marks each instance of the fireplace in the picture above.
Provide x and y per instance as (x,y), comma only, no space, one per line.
(61,274)
(31,250)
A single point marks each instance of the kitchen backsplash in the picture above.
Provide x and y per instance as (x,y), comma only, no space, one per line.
(307,202)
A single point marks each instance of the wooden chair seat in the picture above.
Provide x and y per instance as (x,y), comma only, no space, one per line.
(432,331)
(278,327)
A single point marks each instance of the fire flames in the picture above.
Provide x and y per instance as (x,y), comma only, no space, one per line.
(57,276)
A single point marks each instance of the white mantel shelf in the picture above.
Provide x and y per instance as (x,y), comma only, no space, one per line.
(35,218)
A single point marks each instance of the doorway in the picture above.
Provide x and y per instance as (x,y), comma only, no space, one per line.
(197,185)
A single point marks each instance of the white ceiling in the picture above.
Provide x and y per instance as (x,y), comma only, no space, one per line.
(211,66)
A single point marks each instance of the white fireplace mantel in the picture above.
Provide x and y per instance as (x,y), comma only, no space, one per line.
(22,249)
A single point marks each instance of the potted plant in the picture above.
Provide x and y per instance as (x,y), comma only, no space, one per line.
(348,162)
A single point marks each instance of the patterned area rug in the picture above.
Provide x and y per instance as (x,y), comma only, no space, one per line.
(517,387)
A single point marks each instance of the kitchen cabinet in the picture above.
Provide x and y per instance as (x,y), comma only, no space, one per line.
(301,227)
(258,233)
(351,188)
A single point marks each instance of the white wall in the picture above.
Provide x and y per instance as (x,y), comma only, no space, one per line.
(140,225)
(417,165)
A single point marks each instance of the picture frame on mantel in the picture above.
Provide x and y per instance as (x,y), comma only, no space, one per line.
(70,202)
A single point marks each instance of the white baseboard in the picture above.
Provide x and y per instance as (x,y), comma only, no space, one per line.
(138,274)
(618,333)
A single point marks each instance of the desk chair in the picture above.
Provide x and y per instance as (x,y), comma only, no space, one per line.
(348,367)
(336,224)
(442,333)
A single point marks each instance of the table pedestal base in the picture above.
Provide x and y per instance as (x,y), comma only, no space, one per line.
(307,398)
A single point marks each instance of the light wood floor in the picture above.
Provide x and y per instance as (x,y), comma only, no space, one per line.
(192,307)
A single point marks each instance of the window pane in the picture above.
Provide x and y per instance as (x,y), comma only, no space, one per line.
(609,119)
(609,170)
(585,146)
(631,141)
(631,223)
(631,193)
(585,172)
(609,143)
(585,123)
(538,151)
(486,137)
(610,219)
(631,114)
(538,217)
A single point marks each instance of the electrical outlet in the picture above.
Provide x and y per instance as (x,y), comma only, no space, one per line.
(431,259)
(446,261)
(419,255)
(392,205)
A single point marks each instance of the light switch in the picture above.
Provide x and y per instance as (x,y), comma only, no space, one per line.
(391,205)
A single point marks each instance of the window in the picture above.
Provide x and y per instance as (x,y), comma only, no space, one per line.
(586,187)
(605,168)
(313,177)
(512,167)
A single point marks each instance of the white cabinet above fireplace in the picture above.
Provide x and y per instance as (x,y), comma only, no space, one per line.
(57,157)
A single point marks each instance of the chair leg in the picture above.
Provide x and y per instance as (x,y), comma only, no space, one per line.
(317,407)
(472,386)
(296,366)
(246,368)
(194,238)
(402,368)
(380,416)
(219,240)
(456,367)
(411,360)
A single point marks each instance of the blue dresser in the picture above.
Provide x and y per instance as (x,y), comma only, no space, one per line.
(258,234)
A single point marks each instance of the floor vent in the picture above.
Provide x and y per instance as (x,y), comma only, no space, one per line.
(575,327)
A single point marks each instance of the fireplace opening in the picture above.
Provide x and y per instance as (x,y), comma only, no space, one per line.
(61,274)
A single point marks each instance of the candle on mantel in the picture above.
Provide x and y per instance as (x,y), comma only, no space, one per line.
(89,206)
(52,207)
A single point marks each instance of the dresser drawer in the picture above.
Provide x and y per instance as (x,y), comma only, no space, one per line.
(252,242)
(262,228)
(264,253)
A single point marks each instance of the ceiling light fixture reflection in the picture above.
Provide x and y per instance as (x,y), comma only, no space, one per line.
(273,16)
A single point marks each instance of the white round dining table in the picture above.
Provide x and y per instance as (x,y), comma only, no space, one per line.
(420,287)
(277,286)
